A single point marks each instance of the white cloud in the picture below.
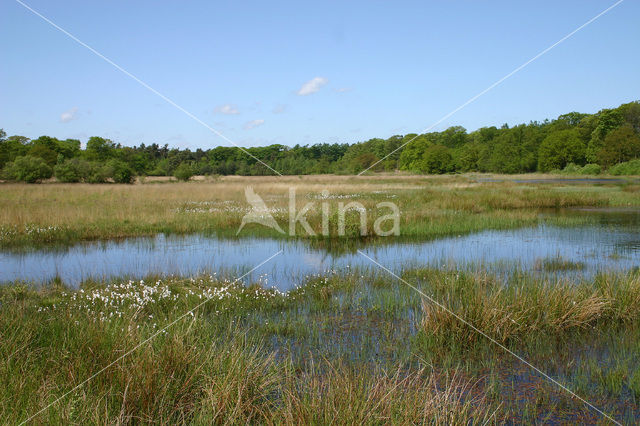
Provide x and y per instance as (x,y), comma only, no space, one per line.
(253,124)
(227,109)
(67,116)
(312,86)
(344,89)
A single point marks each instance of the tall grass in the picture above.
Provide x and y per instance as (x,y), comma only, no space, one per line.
(526,308)
(430,206)
(204,369)
(344,347)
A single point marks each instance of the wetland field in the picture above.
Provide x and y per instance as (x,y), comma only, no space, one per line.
(502,300)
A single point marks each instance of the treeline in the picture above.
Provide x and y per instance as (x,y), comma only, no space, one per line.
(574,143)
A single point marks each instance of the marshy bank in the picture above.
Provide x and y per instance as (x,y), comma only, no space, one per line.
(364,347)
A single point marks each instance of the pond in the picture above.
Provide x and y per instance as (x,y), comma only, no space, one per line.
(611,243)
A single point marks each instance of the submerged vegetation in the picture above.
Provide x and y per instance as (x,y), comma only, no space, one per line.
(558,264)
(361,347)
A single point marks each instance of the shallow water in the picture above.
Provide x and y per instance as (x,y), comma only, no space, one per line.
(586,180)
(612,243)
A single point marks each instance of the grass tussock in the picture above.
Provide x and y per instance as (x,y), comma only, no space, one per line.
(557,263)
(526,308)
(417,397)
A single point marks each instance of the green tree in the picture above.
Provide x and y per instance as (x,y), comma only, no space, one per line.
(183,172)
(12,147)
(436,159)
(569,120)
(99,148)
(361,156)
(411,154)
(120,171)
(69,148)
(47,141)
(561,148)
(628,168)
(99,173)
(453,137)
(608,120)
(73,170)
(504,153)
(631,114)
(364,161)
(28,169)
(466,157)
(161,168)
(44,152)
(621,144)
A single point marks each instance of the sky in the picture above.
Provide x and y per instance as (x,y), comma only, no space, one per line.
(296,72)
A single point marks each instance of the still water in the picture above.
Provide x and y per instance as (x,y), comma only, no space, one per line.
(610,244)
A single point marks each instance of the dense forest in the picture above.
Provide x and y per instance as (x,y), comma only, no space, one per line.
(574,143)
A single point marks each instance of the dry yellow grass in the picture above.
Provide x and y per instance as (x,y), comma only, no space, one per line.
(430,206)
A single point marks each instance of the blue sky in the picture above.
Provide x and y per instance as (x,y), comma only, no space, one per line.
(302,72)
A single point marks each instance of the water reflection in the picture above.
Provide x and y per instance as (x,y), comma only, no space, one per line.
(613,243)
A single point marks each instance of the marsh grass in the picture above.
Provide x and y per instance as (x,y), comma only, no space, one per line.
(525,308)
(557,263)
(208,368)
(430,206)
(354,346)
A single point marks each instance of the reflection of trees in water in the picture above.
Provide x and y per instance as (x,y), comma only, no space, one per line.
(628,246)
(603,216)
(351,245)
